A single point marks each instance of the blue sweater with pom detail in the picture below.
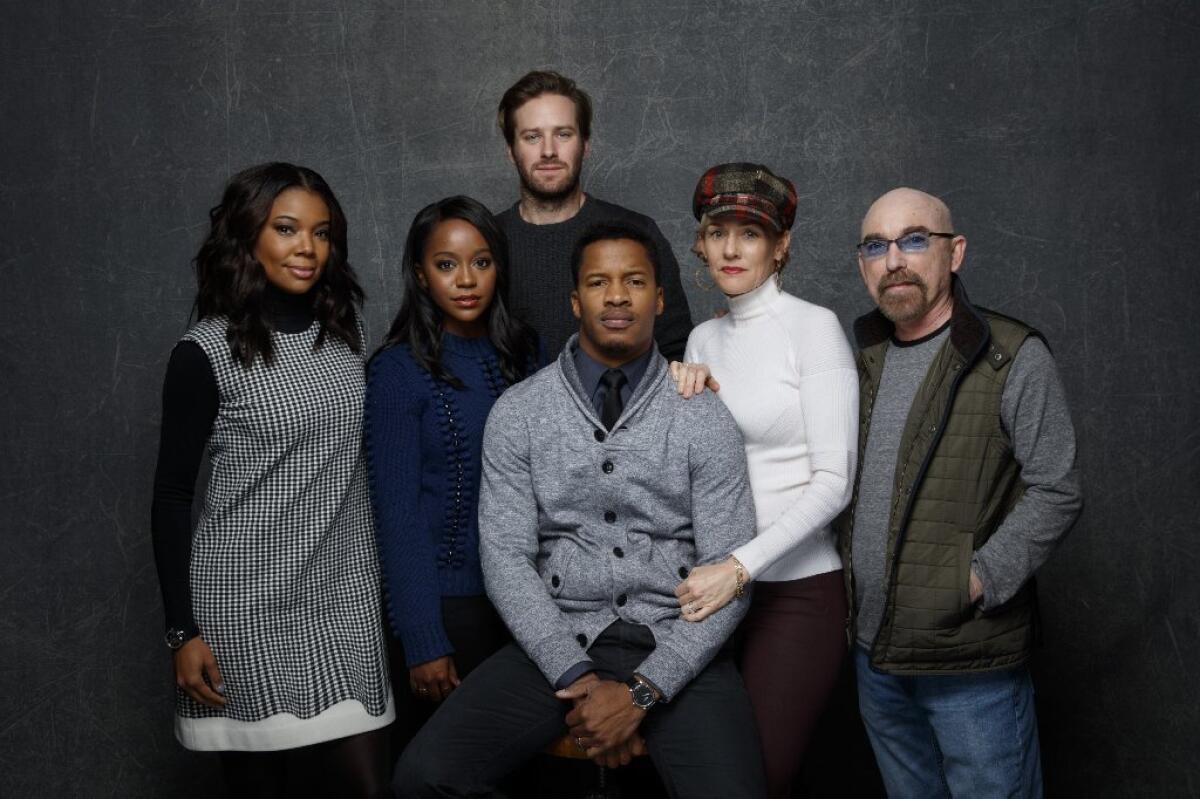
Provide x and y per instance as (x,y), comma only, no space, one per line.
(424,440)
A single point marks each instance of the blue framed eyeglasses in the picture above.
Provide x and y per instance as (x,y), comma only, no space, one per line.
(917,241)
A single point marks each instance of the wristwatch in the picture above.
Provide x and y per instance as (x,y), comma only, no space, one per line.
(641,693)
(176,638)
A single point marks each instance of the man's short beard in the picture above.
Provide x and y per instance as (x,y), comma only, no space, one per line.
(548,197)
(898,311)
(617,349)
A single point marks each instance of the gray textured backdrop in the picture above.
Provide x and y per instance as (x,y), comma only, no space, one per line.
(1062,134)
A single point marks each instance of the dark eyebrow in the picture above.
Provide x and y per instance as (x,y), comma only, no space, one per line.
(291,218)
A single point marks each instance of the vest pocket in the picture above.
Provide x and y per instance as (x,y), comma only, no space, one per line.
(966,553)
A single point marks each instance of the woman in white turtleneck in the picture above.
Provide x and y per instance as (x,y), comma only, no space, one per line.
(786,373)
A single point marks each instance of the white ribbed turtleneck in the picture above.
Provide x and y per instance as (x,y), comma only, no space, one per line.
(788,378)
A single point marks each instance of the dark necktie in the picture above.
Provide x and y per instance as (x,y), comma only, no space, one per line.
(612,404)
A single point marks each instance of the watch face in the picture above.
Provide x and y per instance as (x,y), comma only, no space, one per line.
(175,638)
(643,697)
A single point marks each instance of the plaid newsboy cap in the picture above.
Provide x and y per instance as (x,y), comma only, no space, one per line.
(747,191)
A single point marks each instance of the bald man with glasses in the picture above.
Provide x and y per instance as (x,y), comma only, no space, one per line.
(967,482)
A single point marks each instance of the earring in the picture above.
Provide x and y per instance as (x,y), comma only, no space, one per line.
(699,281)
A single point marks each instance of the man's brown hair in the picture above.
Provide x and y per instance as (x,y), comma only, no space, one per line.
(535,84)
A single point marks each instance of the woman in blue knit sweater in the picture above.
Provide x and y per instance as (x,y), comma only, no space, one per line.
(451,351)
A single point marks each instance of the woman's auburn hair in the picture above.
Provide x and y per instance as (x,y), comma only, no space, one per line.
(418,323)
(231,282)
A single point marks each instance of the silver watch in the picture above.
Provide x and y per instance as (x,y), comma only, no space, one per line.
(641,693)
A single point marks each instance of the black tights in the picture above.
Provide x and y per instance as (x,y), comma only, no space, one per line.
(358,766)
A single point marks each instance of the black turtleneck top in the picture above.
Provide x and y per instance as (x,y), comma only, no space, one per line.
(189,408)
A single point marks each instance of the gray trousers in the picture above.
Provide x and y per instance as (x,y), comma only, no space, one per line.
(703,742)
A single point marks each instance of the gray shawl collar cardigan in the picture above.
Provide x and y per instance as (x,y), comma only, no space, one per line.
(579,527)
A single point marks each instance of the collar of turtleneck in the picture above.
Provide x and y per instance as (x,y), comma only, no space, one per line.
(287,313)
(754,303)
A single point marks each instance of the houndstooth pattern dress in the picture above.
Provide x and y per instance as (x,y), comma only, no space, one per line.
(284,571)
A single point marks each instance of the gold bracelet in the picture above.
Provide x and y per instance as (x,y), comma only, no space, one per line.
(739,587)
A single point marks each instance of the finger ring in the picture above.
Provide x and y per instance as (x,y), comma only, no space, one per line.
(422,690)
(579,743)
(688,609)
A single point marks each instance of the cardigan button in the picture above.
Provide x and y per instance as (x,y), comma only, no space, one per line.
(582,639)
(607,467)
(683,572)
(620,553)
(599,434)
(621,600)
(610,516)
(554,581)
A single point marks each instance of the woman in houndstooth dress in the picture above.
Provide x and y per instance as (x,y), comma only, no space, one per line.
(272,600)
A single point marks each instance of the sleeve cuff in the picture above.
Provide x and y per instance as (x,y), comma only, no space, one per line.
(574,673)
(425,643)
(666,671)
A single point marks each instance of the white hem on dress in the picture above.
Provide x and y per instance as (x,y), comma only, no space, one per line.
(280,731)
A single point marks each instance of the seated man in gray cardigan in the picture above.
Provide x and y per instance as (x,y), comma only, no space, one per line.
(602,487)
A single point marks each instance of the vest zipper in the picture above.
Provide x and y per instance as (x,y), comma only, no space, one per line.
(941,430)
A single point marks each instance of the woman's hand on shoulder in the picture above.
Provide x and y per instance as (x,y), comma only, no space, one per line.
(197,674)
(691,378)
(434,679)
(707,589)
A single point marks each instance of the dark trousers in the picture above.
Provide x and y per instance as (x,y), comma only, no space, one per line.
(793,645)
(703,742)
(475,631)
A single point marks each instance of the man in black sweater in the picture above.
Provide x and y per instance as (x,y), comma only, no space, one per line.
(547,122)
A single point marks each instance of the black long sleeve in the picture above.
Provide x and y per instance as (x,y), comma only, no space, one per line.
(671,330)
(189,408)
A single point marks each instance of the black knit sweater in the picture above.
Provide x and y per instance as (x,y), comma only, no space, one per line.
(540,286)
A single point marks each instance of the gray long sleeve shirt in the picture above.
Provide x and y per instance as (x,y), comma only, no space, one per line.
(579,527)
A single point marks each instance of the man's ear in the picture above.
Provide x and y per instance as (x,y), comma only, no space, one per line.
(575,306)
(958,251)
(658,301)
(508,150)
(587,147)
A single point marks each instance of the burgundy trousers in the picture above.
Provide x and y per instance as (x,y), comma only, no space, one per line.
(793,643)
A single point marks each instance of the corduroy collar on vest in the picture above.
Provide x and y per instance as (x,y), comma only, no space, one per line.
(969,331)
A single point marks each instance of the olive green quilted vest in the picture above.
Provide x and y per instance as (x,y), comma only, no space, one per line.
(956,480)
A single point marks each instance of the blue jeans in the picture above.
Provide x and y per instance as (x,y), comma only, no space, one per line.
(969,735)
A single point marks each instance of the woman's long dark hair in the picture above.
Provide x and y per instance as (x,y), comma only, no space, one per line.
(231,282)
(419,321)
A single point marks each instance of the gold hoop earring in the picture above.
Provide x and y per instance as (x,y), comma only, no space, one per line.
(699,282)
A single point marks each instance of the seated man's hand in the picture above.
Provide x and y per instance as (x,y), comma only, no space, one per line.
(622,754)
(577,691)
(605,718)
